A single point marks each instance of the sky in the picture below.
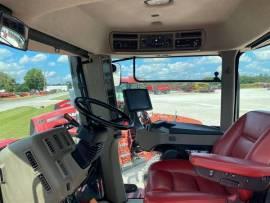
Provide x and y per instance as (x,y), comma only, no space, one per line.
(16,63)
(56,67)
(252,63)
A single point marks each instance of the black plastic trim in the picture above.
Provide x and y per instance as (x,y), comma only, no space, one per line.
(237,87)
(5,9)
(256,43)
(123,59)
(164,147)
(234,180)
(56,43)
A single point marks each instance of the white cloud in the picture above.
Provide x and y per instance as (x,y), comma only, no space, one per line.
(50,74)
(155,60)
(245,58)
(262,54)
(52,64)
(126,70)
(9,66)
(179,66)
(39,57)
(209,60)
(25,59)
(219,69)
(4,53)
(15,70)
(62,59)
(67,77)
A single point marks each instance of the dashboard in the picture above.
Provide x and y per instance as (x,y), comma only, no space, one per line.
(156,41)
(40,168)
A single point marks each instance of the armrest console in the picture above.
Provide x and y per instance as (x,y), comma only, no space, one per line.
(232,172)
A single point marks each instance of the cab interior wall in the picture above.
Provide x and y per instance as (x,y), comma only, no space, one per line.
(228,26)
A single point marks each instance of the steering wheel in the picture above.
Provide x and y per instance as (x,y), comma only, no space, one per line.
(122,122)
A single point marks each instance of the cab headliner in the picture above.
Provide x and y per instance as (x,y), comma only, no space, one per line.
(228,24)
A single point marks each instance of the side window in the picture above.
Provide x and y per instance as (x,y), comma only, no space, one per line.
(254,78)
(34,86)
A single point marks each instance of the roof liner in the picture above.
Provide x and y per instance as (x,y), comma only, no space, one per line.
(228,24)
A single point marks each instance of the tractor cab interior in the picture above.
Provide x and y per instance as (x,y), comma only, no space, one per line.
(168,101)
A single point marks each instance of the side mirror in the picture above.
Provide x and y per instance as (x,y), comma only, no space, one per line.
(116,74)
(13,32)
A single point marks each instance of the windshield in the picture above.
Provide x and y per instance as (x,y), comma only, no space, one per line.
(195,99)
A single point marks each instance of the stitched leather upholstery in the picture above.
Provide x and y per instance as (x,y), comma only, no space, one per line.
(176,181)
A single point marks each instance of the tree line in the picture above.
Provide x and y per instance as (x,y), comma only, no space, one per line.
(34,79)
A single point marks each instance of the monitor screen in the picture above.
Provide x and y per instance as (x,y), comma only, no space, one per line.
(137,100)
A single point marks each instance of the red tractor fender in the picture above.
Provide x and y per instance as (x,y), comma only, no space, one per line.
(5,142)
(51,120)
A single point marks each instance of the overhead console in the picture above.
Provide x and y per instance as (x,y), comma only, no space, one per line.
(156,41)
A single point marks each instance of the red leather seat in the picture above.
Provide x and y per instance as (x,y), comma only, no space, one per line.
(246,143)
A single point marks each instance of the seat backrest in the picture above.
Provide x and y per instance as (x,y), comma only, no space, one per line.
(248,138)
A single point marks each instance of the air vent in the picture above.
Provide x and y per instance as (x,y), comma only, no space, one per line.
(125,41)
(125,36)
(188,34)
(31,160)
(44,182)
(49,145)
(58,141)
(157,41)
(125,45)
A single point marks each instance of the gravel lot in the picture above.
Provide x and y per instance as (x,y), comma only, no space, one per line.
(206,106)
(33,102)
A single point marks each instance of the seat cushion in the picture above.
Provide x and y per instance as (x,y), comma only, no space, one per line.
(175,181)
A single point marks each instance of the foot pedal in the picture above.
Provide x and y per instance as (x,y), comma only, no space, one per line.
(129,188)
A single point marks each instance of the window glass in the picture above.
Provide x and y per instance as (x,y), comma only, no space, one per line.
(177,68)
(254,78)
(190,101)
(33,87)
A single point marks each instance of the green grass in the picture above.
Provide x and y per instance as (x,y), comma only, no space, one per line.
(64,97)
(15,123)
(18,98)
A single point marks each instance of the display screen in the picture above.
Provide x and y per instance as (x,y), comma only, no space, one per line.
(137,100)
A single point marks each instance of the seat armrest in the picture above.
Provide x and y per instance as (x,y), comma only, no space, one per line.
(232,172)
(230,165)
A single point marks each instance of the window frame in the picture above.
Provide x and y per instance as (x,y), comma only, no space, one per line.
(256,45)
